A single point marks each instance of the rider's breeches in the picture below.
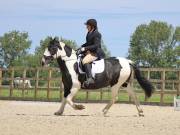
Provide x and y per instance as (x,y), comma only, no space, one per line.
(89,58)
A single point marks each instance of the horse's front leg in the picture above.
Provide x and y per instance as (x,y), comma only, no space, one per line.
(69,98)
(61,109)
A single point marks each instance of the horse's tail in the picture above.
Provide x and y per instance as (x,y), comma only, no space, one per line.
(144,83)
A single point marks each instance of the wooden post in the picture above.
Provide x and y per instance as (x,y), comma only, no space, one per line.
(148,77)
(178,89)
(49,82)
(87,96)
(0,80)
(162,85)
(11,82)
(37,83)
(101,94)
(60,90)
(24,85)
(173,88)
(131,84)
(118,99)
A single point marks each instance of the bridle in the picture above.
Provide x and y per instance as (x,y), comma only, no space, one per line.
(67,56)
(76,52)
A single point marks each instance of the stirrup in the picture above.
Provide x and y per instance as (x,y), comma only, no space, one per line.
(87,83)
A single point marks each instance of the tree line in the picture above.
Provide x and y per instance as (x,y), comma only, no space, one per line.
(15,45)
(156,44)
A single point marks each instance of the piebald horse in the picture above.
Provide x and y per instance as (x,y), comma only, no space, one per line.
(117,73)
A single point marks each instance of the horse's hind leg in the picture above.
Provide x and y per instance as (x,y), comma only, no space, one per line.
(114,92)
(133,95)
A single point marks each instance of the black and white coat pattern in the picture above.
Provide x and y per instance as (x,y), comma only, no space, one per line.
(117,73)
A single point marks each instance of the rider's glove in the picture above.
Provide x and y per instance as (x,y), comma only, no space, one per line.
(83,49)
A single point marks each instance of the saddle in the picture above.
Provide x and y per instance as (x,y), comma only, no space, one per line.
(98,66)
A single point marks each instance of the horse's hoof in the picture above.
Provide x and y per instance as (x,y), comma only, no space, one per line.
(141,115)
(140,111)
(57,113)
(79,107)
(105,112)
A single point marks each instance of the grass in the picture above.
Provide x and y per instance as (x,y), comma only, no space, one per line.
(55,95)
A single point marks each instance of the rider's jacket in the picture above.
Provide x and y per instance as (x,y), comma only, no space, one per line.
(93,44)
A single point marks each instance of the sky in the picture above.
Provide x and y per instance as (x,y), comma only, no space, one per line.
(117,19)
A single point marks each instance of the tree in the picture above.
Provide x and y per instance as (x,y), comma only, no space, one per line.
(154,44)
(13,46)
(106,51)
(177,48)
(29,60)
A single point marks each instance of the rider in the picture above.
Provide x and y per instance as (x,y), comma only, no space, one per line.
(91,49)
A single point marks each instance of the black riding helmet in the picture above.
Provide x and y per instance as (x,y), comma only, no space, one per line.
(91,22)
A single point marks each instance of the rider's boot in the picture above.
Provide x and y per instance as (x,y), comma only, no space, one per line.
(89,79)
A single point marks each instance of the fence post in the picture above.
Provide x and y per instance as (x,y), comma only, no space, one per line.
(131,84)
(37,83)
(87,96)
(101,94)
(148,77)
(162,85)
(61,90)
(0,80)
(11,83)
(178,89)
(24,85)
(49,82)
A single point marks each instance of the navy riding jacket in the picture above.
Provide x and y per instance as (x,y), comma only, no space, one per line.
(93,44)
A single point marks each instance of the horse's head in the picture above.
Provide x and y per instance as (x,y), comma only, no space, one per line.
(55,50)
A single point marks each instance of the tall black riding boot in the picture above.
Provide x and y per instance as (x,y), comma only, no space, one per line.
(89,79)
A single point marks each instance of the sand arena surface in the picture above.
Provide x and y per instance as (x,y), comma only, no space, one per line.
(36,118)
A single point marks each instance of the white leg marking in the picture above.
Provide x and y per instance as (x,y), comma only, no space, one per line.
(70,102)
(61,109)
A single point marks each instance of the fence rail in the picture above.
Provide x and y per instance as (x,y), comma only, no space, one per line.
(44,78)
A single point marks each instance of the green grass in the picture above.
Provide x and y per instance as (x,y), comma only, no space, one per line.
(55,95)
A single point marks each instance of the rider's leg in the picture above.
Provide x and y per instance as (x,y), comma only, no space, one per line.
(89,58)
(86,62)
(89,79)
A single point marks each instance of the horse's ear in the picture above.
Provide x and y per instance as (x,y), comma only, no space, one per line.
(56,39)
(68,50)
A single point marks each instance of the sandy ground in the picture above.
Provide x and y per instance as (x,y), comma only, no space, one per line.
(36,118)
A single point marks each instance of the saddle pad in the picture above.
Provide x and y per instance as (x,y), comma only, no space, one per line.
(97,67)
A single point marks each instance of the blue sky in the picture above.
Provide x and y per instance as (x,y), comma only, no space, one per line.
(117,19)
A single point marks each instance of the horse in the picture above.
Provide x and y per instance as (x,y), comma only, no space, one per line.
(19,83)
(116,73)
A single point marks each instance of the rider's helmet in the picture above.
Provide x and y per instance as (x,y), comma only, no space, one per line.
(91,22)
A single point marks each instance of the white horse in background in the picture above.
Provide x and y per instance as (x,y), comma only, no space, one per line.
(20,83)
